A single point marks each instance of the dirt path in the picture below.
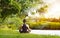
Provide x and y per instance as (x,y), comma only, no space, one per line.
(46,32)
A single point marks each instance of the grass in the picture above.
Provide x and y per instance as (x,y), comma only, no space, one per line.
(15,34)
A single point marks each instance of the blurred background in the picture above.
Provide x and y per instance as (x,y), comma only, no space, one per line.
(40,14)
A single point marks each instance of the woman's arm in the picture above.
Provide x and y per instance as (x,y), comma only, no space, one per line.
(28,28)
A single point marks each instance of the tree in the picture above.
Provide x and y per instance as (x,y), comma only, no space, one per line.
(17,7)
(27,4)
(9,7)
(43,9)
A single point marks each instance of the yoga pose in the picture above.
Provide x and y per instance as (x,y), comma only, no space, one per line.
(24,28)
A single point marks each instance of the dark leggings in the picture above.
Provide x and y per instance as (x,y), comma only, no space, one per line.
(23,31)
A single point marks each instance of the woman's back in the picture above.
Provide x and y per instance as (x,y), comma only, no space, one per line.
(24,27)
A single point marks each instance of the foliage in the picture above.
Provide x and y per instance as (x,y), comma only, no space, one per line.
(27,4)
(53,26)
(19,7)
(12,22)
(9,7)
(45,25)
(13,11)
(43,9)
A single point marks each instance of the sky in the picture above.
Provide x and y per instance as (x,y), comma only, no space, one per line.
(54,9)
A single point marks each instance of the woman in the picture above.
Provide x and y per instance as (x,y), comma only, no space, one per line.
(24,28)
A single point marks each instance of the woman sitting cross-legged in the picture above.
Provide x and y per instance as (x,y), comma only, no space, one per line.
(24,28)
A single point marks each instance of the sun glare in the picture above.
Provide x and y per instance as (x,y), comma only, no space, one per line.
(54,10)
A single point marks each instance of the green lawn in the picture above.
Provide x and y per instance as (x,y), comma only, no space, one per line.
(15,34)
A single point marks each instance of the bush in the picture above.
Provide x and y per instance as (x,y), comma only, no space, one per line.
(12,23)
(53,26)
(34,25)
(45,25)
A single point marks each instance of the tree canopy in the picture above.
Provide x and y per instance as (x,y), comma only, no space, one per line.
(16,7)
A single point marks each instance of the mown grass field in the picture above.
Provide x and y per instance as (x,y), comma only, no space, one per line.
(15,34)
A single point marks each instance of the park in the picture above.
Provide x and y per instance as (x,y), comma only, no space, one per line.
(29,18)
